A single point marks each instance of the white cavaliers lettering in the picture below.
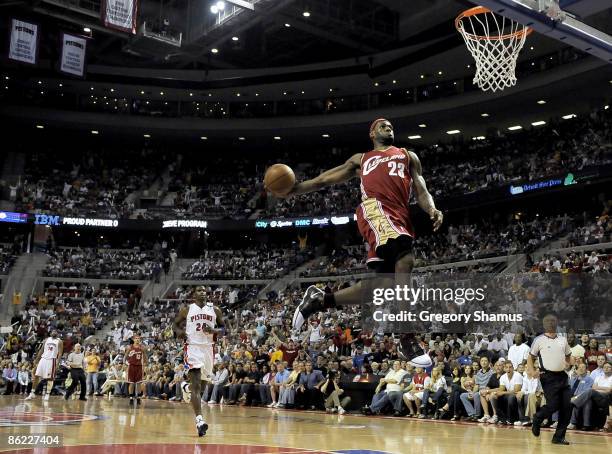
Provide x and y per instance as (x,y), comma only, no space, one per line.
(371,163)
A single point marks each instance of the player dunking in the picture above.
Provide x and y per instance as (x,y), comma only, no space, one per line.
(137,360)
(47,358)
(387,175)
(200,320)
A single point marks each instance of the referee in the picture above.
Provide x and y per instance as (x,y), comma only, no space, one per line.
(75,361)
(553,352)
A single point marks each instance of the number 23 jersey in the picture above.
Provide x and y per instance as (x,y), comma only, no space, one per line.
(386,186)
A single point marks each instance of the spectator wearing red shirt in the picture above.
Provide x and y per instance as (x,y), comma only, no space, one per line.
(290,352)
(592,353)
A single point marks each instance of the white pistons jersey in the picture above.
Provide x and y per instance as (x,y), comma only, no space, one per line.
(197,318)
(51,348)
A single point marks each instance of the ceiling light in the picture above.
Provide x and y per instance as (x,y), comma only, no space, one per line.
(394,81)
(422,125)
(214,9)
(515,128)
(39,82)
(220,5)
(91,88)
(606,107)
(468,66)
(87,29)
(94,132)
(209,94)
(306,14)
(284,93)
(112,90)
(484,115)
(376,84)
(235,38)
(277,138)
(453,131)
(538,123)
(478,138)
(568,116)
(331,89)
(256,94)
(541,101)
(325,136)
(237,94)
(147,136)
(190,94)
(7,77)
(414,137)
(61,85)
(161,93)
(287,25)
(439,73)
(40,127)
(240,138)
(302,91)
(142,92)
(422,76)
(204,138)
(214,50)
(531,48)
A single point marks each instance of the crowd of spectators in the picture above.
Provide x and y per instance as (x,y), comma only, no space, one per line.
(598,231)
(98,183)
(93,183)
(257,263)
(104,264)
(332,364)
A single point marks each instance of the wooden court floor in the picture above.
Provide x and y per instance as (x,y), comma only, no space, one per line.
(111,426)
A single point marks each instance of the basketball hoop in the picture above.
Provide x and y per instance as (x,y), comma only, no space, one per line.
(494,48)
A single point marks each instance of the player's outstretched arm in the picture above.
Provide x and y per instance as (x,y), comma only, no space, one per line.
(424,198)
(330,177)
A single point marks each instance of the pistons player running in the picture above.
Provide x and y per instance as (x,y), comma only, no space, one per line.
(388,174)
(198,323)
(137,360)
(47,358)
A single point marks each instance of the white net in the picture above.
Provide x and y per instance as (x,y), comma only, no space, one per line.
(494,42)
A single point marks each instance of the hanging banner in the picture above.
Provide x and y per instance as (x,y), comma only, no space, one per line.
(120,14)
(24,42)
(73,55)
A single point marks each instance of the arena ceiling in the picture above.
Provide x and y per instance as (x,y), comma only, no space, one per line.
(275,33)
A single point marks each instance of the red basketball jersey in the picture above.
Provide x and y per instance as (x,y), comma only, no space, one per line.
(135,355)
(385,176)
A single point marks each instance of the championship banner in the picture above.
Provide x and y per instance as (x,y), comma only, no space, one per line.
(120,14)
(24,42)
(73,55)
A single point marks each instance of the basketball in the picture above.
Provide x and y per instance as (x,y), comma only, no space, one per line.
(279,179)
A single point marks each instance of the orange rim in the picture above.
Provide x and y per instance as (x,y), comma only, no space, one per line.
(482,10)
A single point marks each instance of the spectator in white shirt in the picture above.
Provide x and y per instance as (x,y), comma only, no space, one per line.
(578,350)
(529,397)
(517,354)
(499,346)
(392,392)
(601,361)
(504,400)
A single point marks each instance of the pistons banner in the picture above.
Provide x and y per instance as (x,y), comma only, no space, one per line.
(24,42)
(73,55)
(120,14)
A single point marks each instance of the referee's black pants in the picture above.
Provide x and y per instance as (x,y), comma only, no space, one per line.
(558,394)
(78,376)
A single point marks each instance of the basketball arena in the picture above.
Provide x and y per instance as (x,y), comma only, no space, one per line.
(305,226)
